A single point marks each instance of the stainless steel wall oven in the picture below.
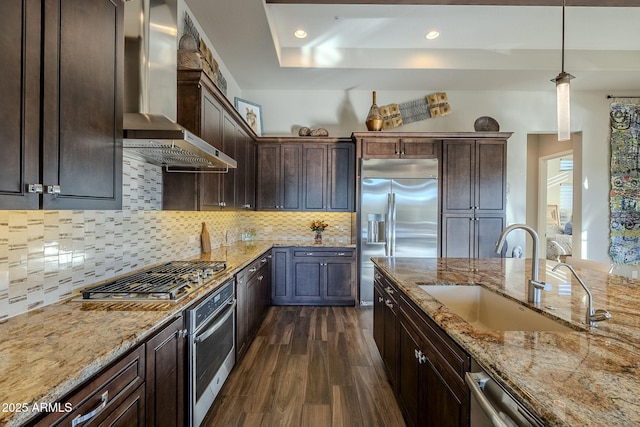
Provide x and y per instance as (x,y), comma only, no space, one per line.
(211,349)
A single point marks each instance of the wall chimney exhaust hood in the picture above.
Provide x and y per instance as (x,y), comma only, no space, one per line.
(159,141)
(150,102)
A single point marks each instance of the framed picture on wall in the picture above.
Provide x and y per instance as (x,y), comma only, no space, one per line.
(251,112)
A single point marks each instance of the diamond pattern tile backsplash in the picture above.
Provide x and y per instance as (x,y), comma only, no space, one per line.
(47,256)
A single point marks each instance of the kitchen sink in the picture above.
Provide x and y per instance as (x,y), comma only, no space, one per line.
(487,310)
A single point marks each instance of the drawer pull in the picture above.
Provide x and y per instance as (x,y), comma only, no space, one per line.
(263,260)
(309,254)
(389,290)
(388,303)
(260,278)
(253,270)
(340,254)
(82,418)
(380,299)
(377,276)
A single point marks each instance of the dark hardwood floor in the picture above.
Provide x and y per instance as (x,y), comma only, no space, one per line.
(309,366)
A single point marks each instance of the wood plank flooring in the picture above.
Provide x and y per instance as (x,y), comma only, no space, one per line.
(311,367)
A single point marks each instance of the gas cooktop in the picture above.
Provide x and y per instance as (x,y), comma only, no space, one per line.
(168,282)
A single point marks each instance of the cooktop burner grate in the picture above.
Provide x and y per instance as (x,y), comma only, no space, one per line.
(170,281)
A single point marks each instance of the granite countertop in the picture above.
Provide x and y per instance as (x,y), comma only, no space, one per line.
(588,377)
(46,353)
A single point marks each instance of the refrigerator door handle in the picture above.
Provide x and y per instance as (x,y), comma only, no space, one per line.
(393,224)
(387,227)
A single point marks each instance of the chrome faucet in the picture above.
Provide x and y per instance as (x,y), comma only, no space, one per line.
(592,316)
(535,286)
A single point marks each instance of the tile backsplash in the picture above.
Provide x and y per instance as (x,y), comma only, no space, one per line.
(47,256)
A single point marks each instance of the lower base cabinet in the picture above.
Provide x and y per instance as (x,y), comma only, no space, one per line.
(165,378)
(314,276)
(109,399)
(253,297)
(144,388)
(386,325)
(429,380)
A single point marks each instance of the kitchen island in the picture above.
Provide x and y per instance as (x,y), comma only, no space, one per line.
(48,352)
(585,377)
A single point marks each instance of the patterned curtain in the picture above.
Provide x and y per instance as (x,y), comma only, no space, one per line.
(624,197)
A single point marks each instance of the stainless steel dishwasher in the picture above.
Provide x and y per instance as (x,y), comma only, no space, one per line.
(493,406)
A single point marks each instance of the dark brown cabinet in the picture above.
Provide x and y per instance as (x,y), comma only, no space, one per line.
(279,182)
(306,176)
(203,110)
(165,361)
(431,388)
(425,366)
(399,147)
(280,271)
(146,387)
(323,276)
(253,296)
(473,197)
(328,177)
(62,128)
(386,325)
(115,397)
(466,236)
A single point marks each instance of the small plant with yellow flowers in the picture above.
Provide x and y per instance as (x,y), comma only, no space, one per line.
(318,225)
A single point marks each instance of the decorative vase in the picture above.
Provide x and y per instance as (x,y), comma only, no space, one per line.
(318,239)
(374,119)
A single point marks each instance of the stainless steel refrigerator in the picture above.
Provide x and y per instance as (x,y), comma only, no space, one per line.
(398,213)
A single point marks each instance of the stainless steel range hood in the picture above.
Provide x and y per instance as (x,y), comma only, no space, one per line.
(159,141)
(150,130)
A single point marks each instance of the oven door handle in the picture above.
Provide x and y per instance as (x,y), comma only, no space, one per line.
(206,334)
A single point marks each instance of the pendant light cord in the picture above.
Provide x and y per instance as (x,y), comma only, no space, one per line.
(563,5)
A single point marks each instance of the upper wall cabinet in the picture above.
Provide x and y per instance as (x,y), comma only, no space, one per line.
(205,111)
(396,145)
(62,104)
(301,174)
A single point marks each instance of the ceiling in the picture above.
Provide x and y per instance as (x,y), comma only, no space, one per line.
(383,46)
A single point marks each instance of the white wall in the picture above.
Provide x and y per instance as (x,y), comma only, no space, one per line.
(342,112)
(233,89)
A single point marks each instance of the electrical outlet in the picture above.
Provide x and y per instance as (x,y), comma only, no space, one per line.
(634,274)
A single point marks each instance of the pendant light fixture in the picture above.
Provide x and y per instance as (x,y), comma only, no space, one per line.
(562,92)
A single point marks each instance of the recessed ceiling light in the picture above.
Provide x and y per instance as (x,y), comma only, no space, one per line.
(300,34)
(432,35)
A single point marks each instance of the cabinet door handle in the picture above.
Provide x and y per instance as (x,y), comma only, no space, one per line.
(35,188)
(380,299)
(388,303)
(53,189)
(82,418)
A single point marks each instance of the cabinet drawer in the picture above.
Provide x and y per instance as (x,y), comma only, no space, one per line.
(337,253)
(253,268)
(453,357)
(103,394)
(386,286)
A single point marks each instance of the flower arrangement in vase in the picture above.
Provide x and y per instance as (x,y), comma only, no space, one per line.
(318,227)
